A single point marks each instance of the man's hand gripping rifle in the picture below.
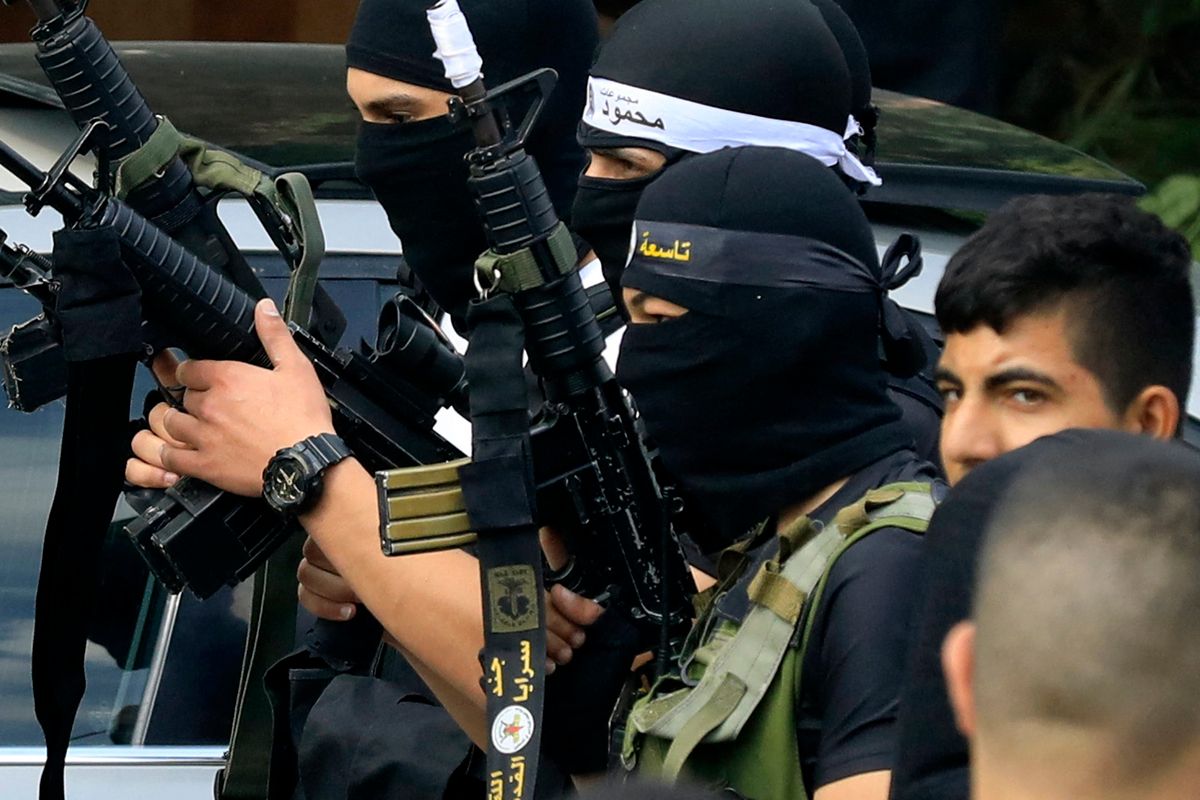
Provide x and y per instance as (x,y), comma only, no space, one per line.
(195,535)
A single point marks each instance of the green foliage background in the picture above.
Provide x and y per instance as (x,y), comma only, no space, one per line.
(1119,79)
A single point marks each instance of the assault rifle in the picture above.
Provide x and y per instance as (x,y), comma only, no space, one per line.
(195,535)
(612,508)
(139,153)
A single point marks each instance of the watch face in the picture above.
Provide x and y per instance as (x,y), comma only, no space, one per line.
(286,482)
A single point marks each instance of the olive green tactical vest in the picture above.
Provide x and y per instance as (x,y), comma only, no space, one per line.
(728,718)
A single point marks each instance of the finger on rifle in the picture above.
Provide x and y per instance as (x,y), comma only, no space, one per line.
(147,448)
(275,337)
(164,366)
(147,476)
(323,607)
(576,608)
(179,429)
(316,556)
(181,461)
(155,418)
(558,651)
(567,632)
(197,375)
(330,585)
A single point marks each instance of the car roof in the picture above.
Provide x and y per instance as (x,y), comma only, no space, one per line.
(285,105)
(281,104)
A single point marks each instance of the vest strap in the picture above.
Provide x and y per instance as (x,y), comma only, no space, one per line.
(739,669)
(724,700)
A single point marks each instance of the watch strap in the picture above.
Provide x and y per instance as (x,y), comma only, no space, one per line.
(323,450)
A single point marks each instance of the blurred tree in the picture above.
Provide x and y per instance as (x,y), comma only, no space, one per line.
(1116,79)
(1119,80)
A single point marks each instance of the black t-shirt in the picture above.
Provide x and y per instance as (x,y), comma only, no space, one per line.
(846,717)
(933,761)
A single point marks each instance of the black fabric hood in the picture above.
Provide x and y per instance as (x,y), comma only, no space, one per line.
(514,37)
(770,387)
(686,49)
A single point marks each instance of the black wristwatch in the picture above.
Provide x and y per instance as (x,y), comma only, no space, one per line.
(292,479)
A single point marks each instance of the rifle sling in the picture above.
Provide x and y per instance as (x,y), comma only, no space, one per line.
(97,290)
(250,772)
(283,204)
(499,492)
(260,765)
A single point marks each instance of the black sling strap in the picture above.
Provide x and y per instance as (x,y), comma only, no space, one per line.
(99,309)
(251,773)
(499,492)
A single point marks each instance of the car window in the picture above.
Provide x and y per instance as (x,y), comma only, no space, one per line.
(160,670)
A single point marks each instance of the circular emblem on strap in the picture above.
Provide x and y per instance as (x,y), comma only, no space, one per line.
(512,729)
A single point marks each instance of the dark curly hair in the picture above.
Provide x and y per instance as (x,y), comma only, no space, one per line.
(1120,274)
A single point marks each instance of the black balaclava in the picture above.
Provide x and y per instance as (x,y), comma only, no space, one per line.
(770,387)
(770,59)
(865,113)
(416,169)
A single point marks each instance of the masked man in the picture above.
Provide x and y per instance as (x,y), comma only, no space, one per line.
(411,157)
(797,79)
(802,322)
(752,355)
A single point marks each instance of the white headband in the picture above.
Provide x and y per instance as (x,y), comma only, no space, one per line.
(643,114)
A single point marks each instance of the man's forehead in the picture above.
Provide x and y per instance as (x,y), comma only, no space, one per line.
(1036,342)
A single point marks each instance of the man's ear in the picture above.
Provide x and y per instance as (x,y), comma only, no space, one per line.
(958,666)
(1154,412)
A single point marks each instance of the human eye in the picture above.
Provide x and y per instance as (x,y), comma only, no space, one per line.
(950,392)
(1027,397)
(627,169)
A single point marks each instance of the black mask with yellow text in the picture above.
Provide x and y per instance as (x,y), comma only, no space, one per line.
(789,67)
(769,388)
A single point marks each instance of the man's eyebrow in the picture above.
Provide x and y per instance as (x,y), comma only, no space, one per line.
(390,104)
(1014,374)
(637,300)
(942,374)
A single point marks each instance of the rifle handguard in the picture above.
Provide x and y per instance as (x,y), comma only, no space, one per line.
(421,509)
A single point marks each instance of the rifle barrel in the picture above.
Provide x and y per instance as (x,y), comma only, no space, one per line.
(27,173)
(46,10)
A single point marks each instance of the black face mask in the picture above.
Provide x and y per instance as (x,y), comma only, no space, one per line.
(603,217)
(417,173)
(727,400)
(769,388)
